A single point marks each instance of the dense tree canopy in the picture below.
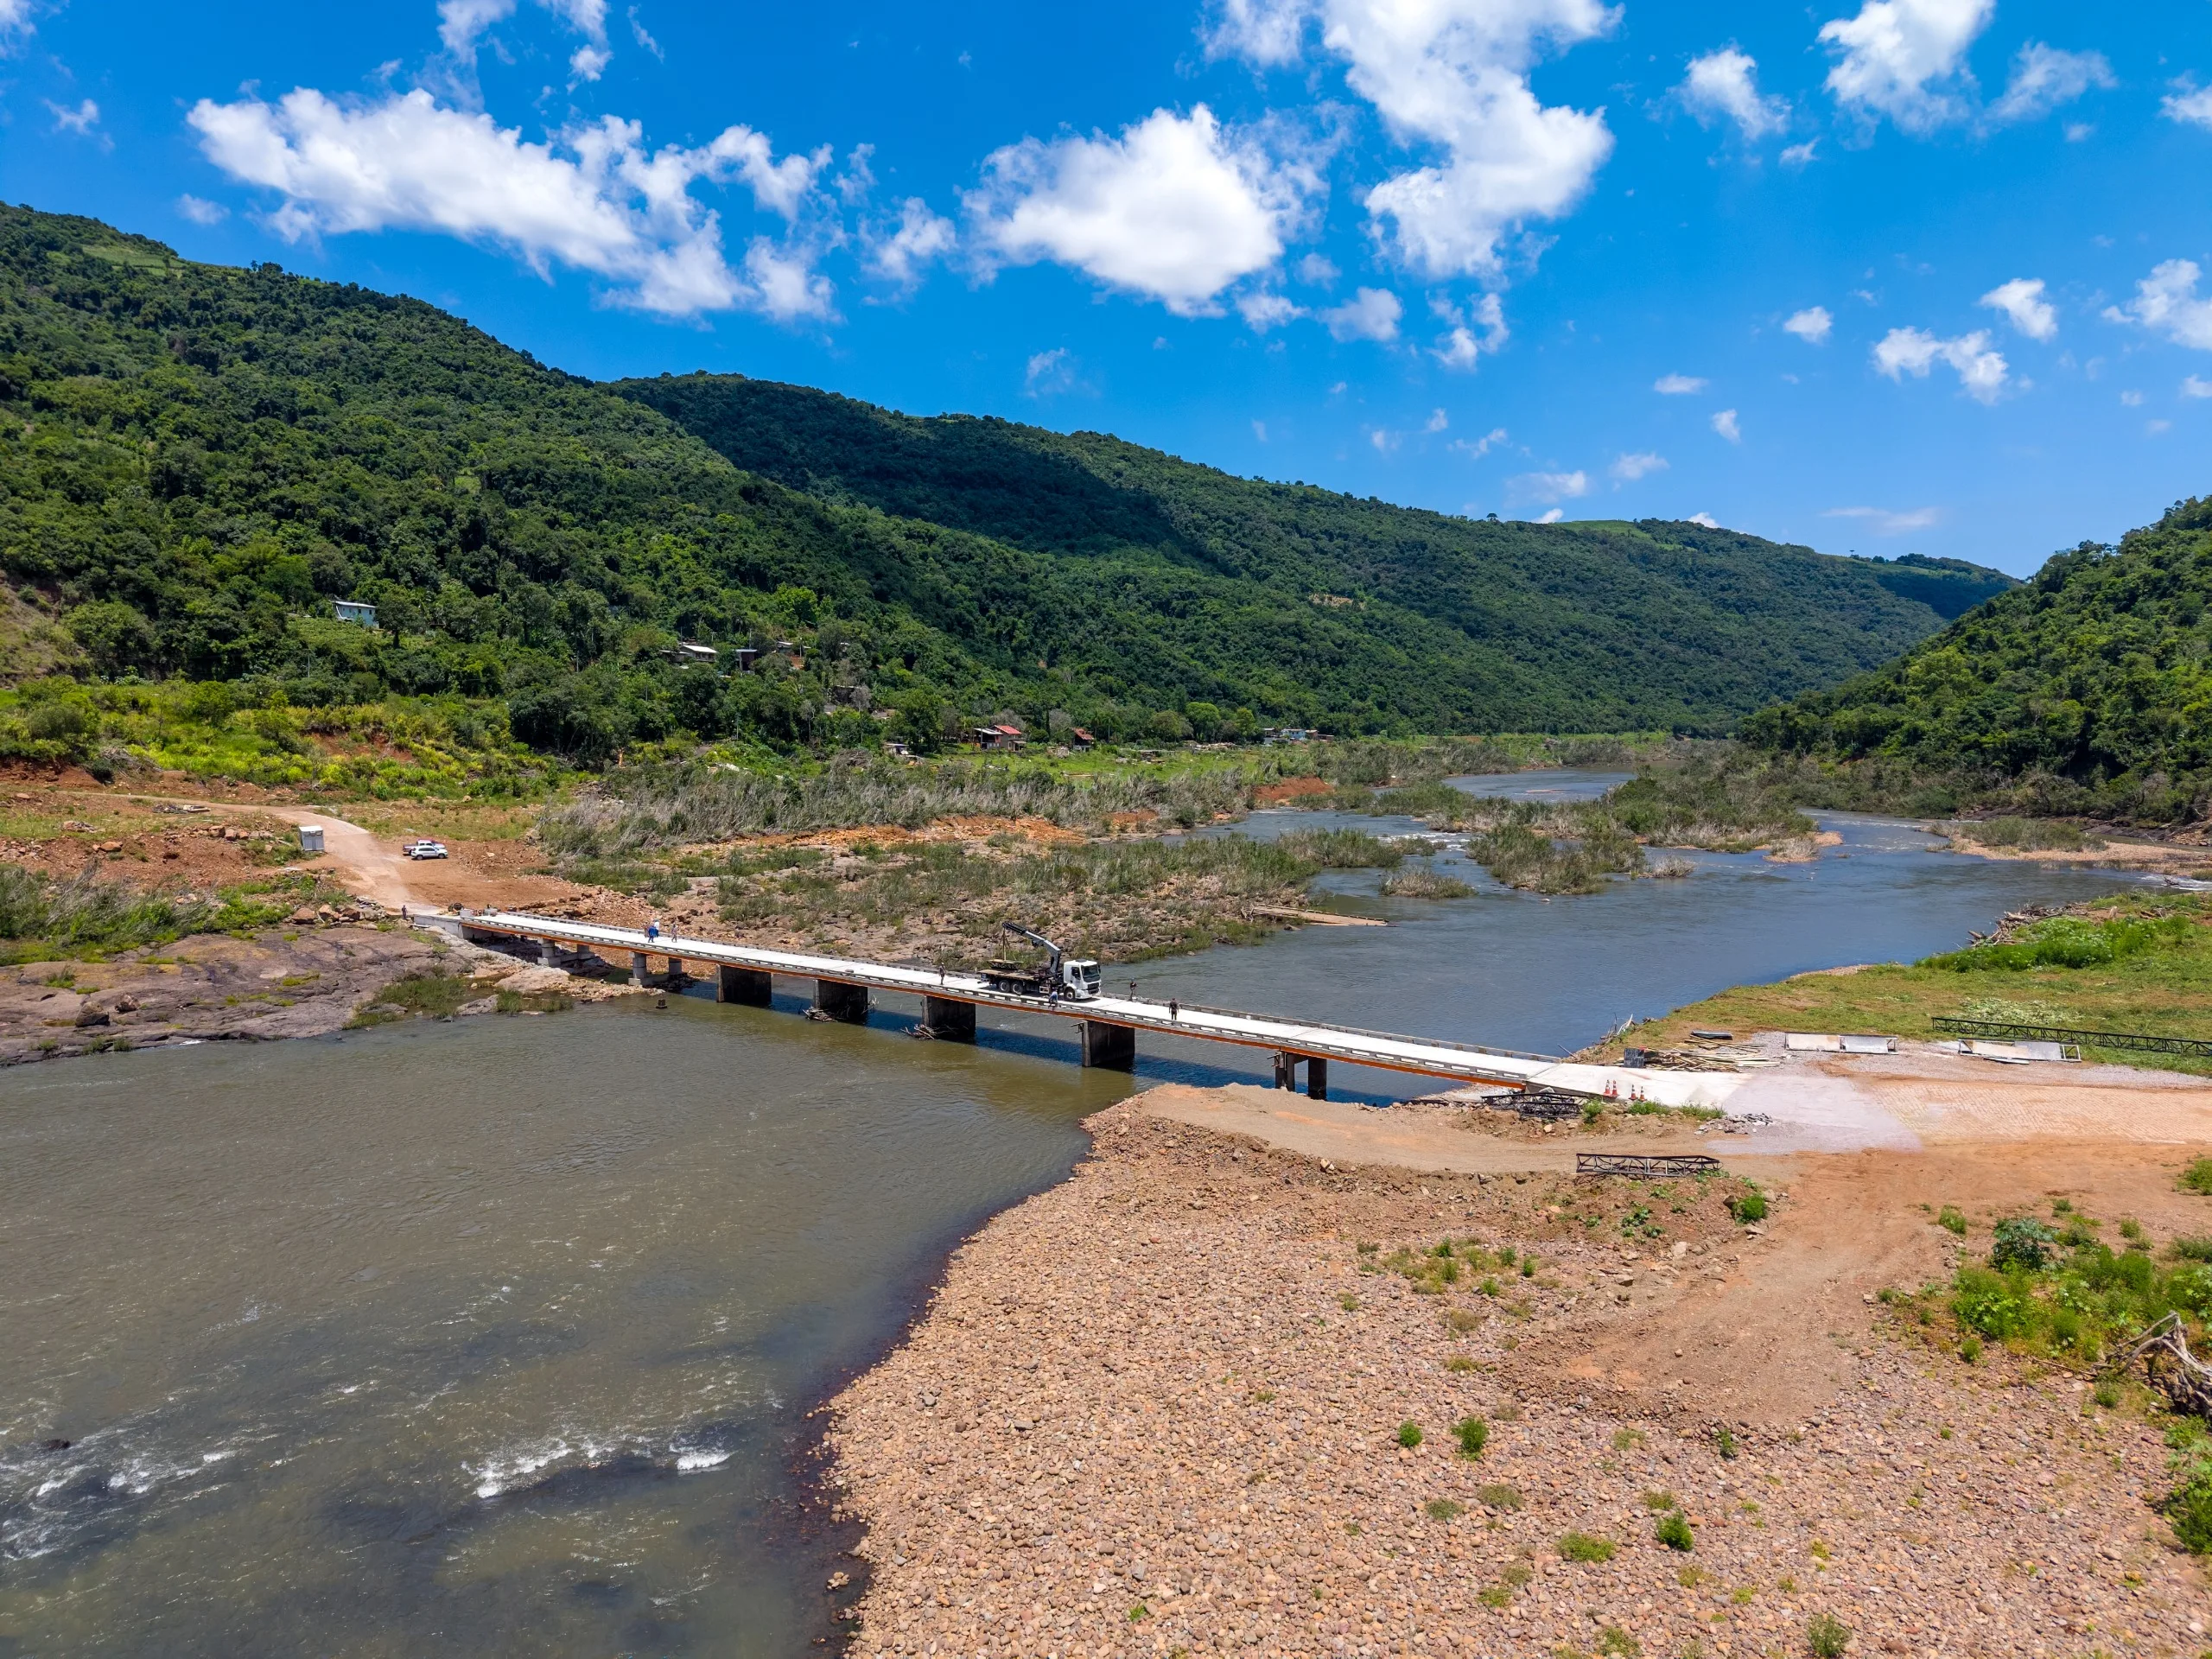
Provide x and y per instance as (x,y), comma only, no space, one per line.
(196,461)
(2095,672)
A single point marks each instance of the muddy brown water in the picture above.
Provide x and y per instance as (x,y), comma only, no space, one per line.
(501,1334)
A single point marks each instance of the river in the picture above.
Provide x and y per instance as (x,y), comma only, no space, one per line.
(500,1334)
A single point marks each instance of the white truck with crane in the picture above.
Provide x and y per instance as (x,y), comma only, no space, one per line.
(1063,978)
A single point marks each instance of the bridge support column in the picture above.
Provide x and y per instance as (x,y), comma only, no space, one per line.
(1286,1071)
(1317,1077)
(746,985)
(1110,1048)
(549,954)
(675,978)
(638,968)
(841,1001)
(949,1021)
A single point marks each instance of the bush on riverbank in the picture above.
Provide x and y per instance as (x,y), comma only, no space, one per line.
(2022,835)
(2069,942)
(86,917)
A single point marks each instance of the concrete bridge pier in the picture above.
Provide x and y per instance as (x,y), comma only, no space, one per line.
(677,979)
(1317,1077)
(549,954)
(638,968)
(949,1020)
(754,989)
(841,1001)
(1110,1048)
(1286,1071)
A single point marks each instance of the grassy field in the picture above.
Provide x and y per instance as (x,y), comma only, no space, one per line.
(2162,988)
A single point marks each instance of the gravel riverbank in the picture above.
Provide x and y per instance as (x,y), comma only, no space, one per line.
(1161,1409)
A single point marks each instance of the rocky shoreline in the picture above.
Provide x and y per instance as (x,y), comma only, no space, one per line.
(1163,1408)
(306,980)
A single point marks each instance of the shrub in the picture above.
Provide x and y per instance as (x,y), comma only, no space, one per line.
(1724,1442)
(1409,1433)
(1953,1220)
(1619,1642)
(2020,1242)
(1586,1547)
(1674,1531)
(2194,1248)
(1970,1351)
(2197,1178)
(1473,1435)
(1499,1497)
(1749,1205)
(1828,1636)
(435,995)
(2067,942)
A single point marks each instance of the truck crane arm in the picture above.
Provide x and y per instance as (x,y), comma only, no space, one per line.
(1051,951)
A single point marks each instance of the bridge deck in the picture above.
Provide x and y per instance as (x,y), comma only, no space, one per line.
(1425,1056)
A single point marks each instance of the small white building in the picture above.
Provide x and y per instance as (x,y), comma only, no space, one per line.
(352,610)
(310,838)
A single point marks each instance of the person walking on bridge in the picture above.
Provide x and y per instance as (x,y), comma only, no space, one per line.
(653,929)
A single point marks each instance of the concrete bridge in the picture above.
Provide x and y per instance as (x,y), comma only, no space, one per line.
(843,987)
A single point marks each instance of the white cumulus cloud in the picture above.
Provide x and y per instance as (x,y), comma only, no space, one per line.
(1553,517)
(1724,85)
(15,20)
(1177,208)
(1370,314)
(1048,373)
(1981,371)
(2193,387)
(462,22)
(1679,385)
(2044,78)
(1475,449)
(593,198)
(1263,308)
(2192,105)
(1896,57)
(1474,330)
(1453,75)
(920,236)
(1886,523)
(1726,425)
(80,120)
(1705,519)
(2022,302)
(200,211)
(1629,468)
(1550,487)
(1813,325)
(2166,302)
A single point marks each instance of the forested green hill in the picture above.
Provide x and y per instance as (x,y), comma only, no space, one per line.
(196,460)
(2098,671)
(1594,625)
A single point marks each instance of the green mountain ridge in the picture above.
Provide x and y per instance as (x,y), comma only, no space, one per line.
(2096,674)
(195,460)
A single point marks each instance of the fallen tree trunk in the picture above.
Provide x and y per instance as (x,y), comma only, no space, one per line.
(2185,1380)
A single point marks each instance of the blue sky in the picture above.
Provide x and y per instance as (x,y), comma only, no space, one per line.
(1882,276)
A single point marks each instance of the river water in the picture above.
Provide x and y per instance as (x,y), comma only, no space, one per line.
(501,1334)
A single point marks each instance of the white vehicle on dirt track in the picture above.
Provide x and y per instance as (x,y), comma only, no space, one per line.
(424,849)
